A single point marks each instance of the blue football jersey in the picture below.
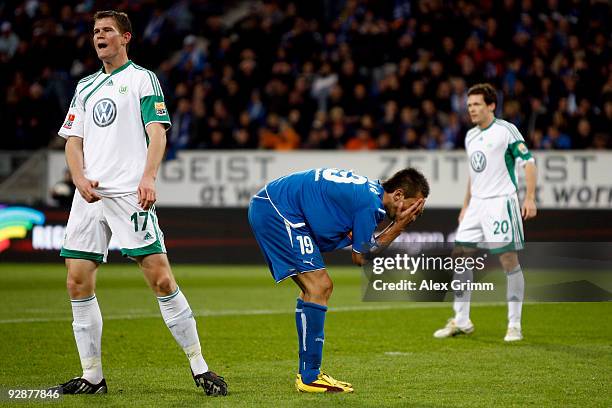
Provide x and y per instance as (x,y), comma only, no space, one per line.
(332,202)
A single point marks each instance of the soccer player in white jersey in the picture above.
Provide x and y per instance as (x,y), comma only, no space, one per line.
(115,133)
(490,215)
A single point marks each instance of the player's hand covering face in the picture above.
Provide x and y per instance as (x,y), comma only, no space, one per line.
(408,210)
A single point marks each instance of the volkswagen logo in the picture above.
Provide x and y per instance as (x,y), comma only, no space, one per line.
(104,112)
(478,161)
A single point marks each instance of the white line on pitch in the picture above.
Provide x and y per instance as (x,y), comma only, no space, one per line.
(246,312)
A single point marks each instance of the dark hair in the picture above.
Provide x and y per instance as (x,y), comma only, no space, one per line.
(123,21)
(410,181)
(486,90)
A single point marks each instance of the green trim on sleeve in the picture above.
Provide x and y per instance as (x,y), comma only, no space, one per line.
(519,150)
(510,162)
(92,256)
(153,109)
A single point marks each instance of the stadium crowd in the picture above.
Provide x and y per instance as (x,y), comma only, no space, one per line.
(352,74)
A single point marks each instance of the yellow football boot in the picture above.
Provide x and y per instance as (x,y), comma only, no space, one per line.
(323,383)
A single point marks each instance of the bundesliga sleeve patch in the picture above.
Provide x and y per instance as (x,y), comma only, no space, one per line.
(522,148)
(69,121)
(160,109)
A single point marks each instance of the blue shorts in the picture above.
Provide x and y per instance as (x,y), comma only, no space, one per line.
(289,248)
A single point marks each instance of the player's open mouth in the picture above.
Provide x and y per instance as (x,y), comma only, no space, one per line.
(102,45)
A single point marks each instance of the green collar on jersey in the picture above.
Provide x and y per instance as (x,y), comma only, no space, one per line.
(482,130)
(118,70)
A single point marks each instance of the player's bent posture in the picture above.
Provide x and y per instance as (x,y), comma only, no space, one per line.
(116,135)
(490,214)
(296,217)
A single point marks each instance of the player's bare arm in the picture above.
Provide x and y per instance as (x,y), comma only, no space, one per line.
(529,209)
(74,159)
(403,218)
(155,153)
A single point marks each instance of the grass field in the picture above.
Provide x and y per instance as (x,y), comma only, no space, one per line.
(246,325)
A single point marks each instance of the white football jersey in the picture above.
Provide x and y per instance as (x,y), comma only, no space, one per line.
(492,154)
(110,112)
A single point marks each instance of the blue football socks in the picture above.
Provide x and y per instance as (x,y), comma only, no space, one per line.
(312,321)
(299,312)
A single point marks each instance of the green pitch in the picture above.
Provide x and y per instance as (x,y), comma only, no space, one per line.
(246,325)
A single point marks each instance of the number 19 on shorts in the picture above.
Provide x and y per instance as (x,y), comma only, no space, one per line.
(306,246)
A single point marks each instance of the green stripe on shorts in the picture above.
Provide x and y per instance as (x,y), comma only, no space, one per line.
(519,221)
(154,248)
(92,256)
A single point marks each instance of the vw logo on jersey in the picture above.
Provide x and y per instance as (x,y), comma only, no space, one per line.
(478,161)
(104,112)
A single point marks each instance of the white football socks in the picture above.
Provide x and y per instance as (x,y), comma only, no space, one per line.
(87,327)
(515,293)
(178,317)
(461,304)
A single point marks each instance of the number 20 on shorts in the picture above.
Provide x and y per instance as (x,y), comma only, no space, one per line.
(500,227)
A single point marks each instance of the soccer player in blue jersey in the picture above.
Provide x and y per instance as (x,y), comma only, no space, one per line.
(296,217)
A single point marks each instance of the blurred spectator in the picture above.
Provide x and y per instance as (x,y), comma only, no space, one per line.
(8,42)
(361,141)
(384,141)
(453,133)
(181,133)
(410,139)
(255,108)
(554,139)
(289,75)
(153,30)
(584,135)
(277,135)
(218,140)
(63,191)
(601,141)
(243,139)
(191,59)
(322,85)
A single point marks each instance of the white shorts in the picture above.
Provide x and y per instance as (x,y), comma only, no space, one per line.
(91,225)
(492,223)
